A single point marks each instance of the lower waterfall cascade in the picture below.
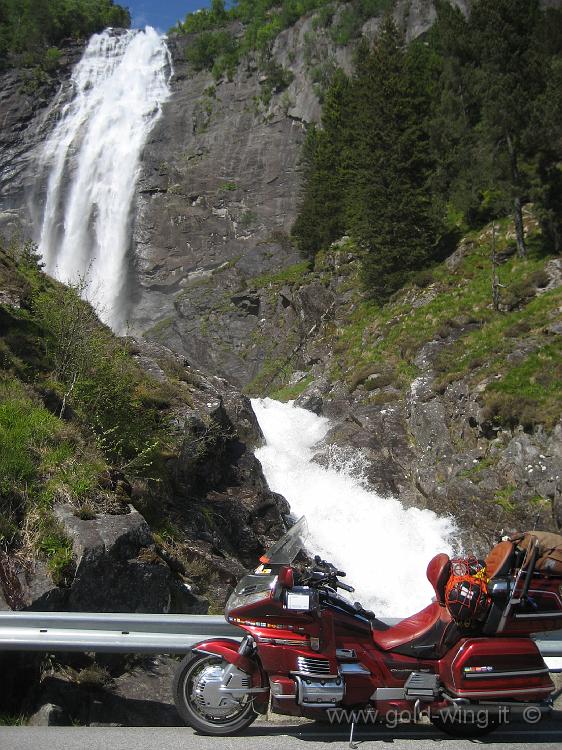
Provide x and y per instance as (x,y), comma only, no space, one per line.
(383,546)
(91,162)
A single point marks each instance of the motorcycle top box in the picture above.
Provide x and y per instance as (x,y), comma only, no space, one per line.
(309,651)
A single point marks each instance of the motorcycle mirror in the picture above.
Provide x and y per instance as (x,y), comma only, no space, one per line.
(285,577)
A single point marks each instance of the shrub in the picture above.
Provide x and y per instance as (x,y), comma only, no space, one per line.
(347,26)
(360,375)
(211,47)
(51,59)
(510,410)
(53,543)
(423,279)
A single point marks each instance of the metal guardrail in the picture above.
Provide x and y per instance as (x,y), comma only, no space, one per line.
(105,633)
(148,633)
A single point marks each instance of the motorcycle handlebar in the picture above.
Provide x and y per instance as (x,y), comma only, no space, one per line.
(345,587)
(328,566)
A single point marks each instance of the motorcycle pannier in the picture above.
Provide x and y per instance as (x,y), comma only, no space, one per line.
(549,553)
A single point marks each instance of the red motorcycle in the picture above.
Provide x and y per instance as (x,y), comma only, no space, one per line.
(315,654)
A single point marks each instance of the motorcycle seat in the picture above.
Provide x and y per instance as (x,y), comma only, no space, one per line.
(438,572)
(500,559)
(429,633)
(422,635)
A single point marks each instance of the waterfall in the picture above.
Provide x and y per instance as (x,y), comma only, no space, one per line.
(383,546)
(92,161)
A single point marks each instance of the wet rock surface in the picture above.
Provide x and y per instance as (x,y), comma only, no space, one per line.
(29,103)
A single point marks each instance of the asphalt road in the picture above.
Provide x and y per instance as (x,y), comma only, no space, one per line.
(264,736)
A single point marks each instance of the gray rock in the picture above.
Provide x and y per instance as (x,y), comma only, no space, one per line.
(118,536)
(28,109)
(116,570)
(49,715)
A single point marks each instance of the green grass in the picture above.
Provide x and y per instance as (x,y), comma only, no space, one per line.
(290,275)
(12,720)
(529,393)
(27,431)
(503,498)
(291,392)
(476,470)
(459,299)
(56,548)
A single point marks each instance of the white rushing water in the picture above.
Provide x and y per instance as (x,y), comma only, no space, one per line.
(92,158)
(383,546)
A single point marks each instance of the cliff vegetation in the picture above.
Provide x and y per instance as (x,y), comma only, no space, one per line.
(31,31)
(427,140)
(109,439)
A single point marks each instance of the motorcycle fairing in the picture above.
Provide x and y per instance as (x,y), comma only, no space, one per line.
(228,650)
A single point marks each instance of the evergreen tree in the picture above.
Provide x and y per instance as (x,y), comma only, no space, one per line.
(457,179)
(544,135)
(321,218)
(29,27)
(390,209)
(507,81)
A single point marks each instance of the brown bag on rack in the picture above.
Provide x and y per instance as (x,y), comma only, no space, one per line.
(549,553)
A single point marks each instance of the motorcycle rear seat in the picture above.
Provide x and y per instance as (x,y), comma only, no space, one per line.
(427,634)
(500,559)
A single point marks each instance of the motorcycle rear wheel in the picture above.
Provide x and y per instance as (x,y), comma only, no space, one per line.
(218,721)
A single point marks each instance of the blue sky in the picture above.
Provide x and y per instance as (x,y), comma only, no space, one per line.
(162,14)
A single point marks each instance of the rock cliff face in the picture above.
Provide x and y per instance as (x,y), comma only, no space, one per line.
(215,496)
(426,439)
(219,191)
(29,104)
(214,269)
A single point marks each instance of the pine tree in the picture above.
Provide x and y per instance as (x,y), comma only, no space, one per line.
(507,81)
(544,135)
(321,218)
(457,179)
(390,209)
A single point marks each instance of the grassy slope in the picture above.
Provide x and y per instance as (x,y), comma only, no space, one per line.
(117,418)
(376,346)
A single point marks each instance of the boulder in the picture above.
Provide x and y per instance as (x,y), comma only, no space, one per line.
(49,715)
(117,569)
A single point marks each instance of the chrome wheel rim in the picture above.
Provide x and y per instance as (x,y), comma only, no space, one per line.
(194,690)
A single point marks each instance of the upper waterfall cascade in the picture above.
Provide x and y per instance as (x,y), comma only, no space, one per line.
(383,546)
(92,160)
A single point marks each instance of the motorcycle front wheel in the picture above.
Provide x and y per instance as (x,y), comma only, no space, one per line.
(198,702)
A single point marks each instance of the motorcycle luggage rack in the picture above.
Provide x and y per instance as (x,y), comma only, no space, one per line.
(529,560)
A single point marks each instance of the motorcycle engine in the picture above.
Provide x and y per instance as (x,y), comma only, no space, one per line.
(319,693)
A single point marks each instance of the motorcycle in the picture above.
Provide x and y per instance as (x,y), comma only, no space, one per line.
(310,652)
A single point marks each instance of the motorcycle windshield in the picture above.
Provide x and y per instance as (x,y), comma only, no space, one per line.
(288,547)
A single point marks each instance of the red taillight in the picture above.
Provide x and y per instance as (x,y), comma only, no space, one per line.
(286,578)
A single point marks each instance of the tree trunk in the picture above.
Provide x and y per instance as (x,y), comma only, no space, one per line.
(495,280)
(517,206)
